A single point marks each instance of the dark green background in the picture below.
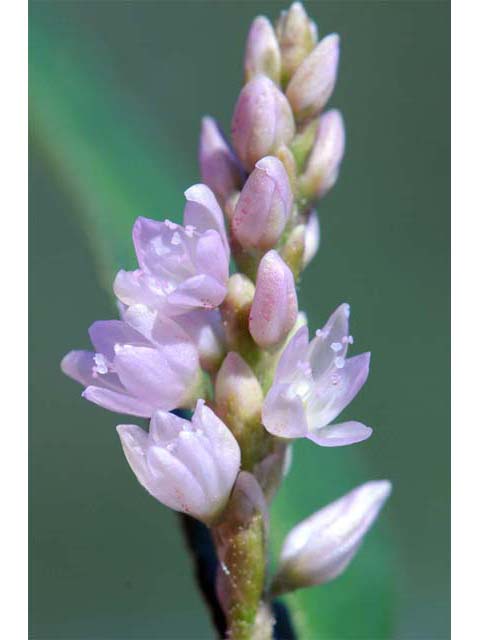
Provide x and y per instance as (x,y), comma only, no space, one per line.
(106,561)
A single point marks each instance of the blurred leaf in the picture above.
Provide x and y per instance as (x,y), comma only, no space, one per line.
(101,145)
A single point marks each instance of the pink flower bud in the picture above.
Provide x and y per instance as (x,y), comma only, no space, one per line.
(324,161)
(219,167)
(321,547)
(262,55)
(264,206)
(188,466)
(313,82)
(297,36)
(262,121)
(274,308)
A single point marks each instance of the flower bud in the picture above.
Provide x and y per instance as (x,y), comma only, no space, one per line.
(312,238)
(264,206)
(313,82)
(188,466)
(274,308)
(262,121)
(239,397)
(294,249)
(262,55)
(297,36)
(219,167)
(323,164)
(321,547)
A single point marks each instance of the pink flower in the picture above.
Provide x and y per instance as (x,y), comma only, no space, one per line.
(188,466)
(314,382)
(262,52)
(181,267)
(137,371)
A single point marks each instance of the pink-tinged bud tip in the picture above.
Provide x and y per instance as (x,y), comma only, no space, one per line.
(219,166)
(326,156)
(264,205)
(274,308)
(262,53)
(313,82)
(321,547)
(262,121)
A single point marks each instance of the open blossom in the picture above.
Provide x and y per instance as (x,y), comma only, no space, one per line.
(188,466)
(137,372)
(314,382)
(321,547)
(181,267)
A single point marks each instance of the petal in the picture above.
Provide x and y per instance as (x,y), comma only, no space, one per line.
(165,427)
(336,390)
(163,249)
(211,257)
(203,212)
(118,402)
(146,374)
(134,443)
(330,343)
(105,334)
(198,292)
(175,486)
(294,352)
(225,448)
(138,287)
(80,365)
(339,435)
(283,413)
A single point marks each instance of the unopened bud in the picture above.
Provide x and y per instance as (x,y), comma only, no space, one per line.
(219,167)
(321,547)
(313,82)
(236,310)
(264,206)
(239,398)
(297,36)
(293,250)
(323,164)
(262,53)
(274,308)
(262,121)
(312,238)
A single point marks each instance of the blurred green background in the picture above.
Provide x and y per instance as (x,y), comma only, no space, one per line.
(117,90)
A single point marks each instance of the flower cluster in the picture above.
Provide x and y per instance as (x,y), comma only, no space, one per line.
(235,348)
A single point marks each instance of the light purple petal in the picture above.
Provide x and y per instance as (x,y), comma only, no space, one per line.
(330,343)
(211,258)
(138,287)
(105,334)
(336,390)
(294,352)
(203,212)
(81,366)
(119,402)
(197,292)
(340,435)
(146,374)
(283,413)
